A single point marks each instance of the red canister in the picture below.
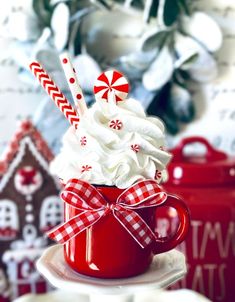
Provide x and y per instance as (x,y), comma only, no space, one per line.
(207,183)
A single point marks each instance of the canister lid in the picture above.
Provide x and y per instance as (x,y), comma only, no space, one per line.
(212,168)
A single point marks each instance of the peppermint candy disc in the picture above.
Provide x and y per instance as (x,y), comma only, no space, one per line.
(111,81)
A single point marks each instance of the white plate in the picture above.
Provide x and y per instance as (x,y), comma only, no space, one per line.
(165,269)
(55,296)
(183,295)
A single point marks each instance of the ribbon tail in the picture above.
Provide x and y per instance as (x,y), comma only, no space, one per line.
(135,226)
(66,231)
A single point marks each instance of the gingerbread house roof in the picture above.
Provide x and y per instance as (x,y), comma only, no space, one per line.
(26,134)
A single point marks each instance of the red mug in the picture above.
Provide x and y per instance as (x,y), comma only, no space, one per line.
(107,250)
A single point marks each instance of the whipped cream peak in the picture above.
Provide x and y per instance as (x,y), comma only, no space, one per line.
(115,145)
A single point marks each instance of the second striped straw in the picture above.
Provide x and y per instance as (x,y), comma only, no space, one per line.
(73,83)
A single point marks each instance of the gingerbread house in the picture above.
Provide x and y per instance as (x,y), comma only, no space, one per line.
(29,206)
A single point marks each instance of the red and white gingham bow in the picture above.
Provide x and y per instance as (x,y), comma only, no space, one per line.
(83,196)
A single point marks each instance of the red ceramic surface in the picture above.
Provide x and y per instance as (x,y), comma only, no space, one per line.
(207,183)
(107,250)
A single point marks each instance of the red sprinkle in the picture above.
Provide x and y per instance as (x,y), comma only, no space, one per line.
(135,148)
(86,168)
(72,80)
(65,61)
(78,96)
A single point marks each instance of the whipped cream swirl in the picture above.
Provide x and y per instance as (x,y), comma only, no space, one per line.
(114,145)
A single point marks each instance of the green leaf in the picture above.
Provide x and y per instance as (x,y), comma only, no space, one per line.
(180,104)
(154,8)
(157,40)
(47,4)
(171,12)
(170,122)
(102,4)
(184,6)
(43,10)
(160,106)
(182,76)
(187,63)
(178,79)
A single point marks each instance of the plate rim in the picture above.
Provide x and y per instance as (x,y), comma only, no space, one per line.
(106,287)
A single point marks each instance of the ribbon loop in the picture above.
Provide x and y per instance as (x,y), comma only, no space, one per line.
(85,197)
(143,194)
(78,192)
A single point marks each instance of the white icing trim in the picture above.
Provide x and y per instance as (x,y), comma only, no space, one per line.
(39,242)
(23,254)
(29,218)
(29,233)
(12,214)
(29,208)
(16,161)
(51,206)
(26,270)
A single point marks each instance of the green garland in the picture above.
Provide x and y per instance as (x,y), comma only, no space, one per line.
(171,99)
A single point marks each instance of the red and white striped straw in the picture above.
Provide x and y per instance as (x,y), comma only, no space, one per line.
(55,94)
(73,83)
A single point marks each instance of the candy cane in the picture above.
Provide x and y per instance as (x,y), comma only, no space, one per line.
(74,86)
(55,93)
(111,81)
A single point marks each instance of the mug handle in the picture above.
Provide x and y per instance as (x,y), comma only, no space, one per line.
(165,244)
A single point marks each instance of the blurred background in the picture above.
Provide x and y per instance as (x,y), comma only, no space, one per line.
(179,59)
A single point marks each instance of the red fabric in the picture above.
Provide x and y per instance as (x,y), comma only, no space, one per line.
(85,197)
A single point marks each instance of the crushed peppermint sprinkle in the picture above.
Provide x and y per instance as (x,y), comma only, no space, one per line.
(116,124)
(83,141)
(158,174)
(135,148)
(86,168)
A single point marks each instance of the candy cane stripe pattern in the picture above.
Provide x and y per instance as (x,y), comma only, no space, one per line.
(86,168)
(158,175)
(55,93)
(115,124)
(83,141)
(111,81)
(135,148)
